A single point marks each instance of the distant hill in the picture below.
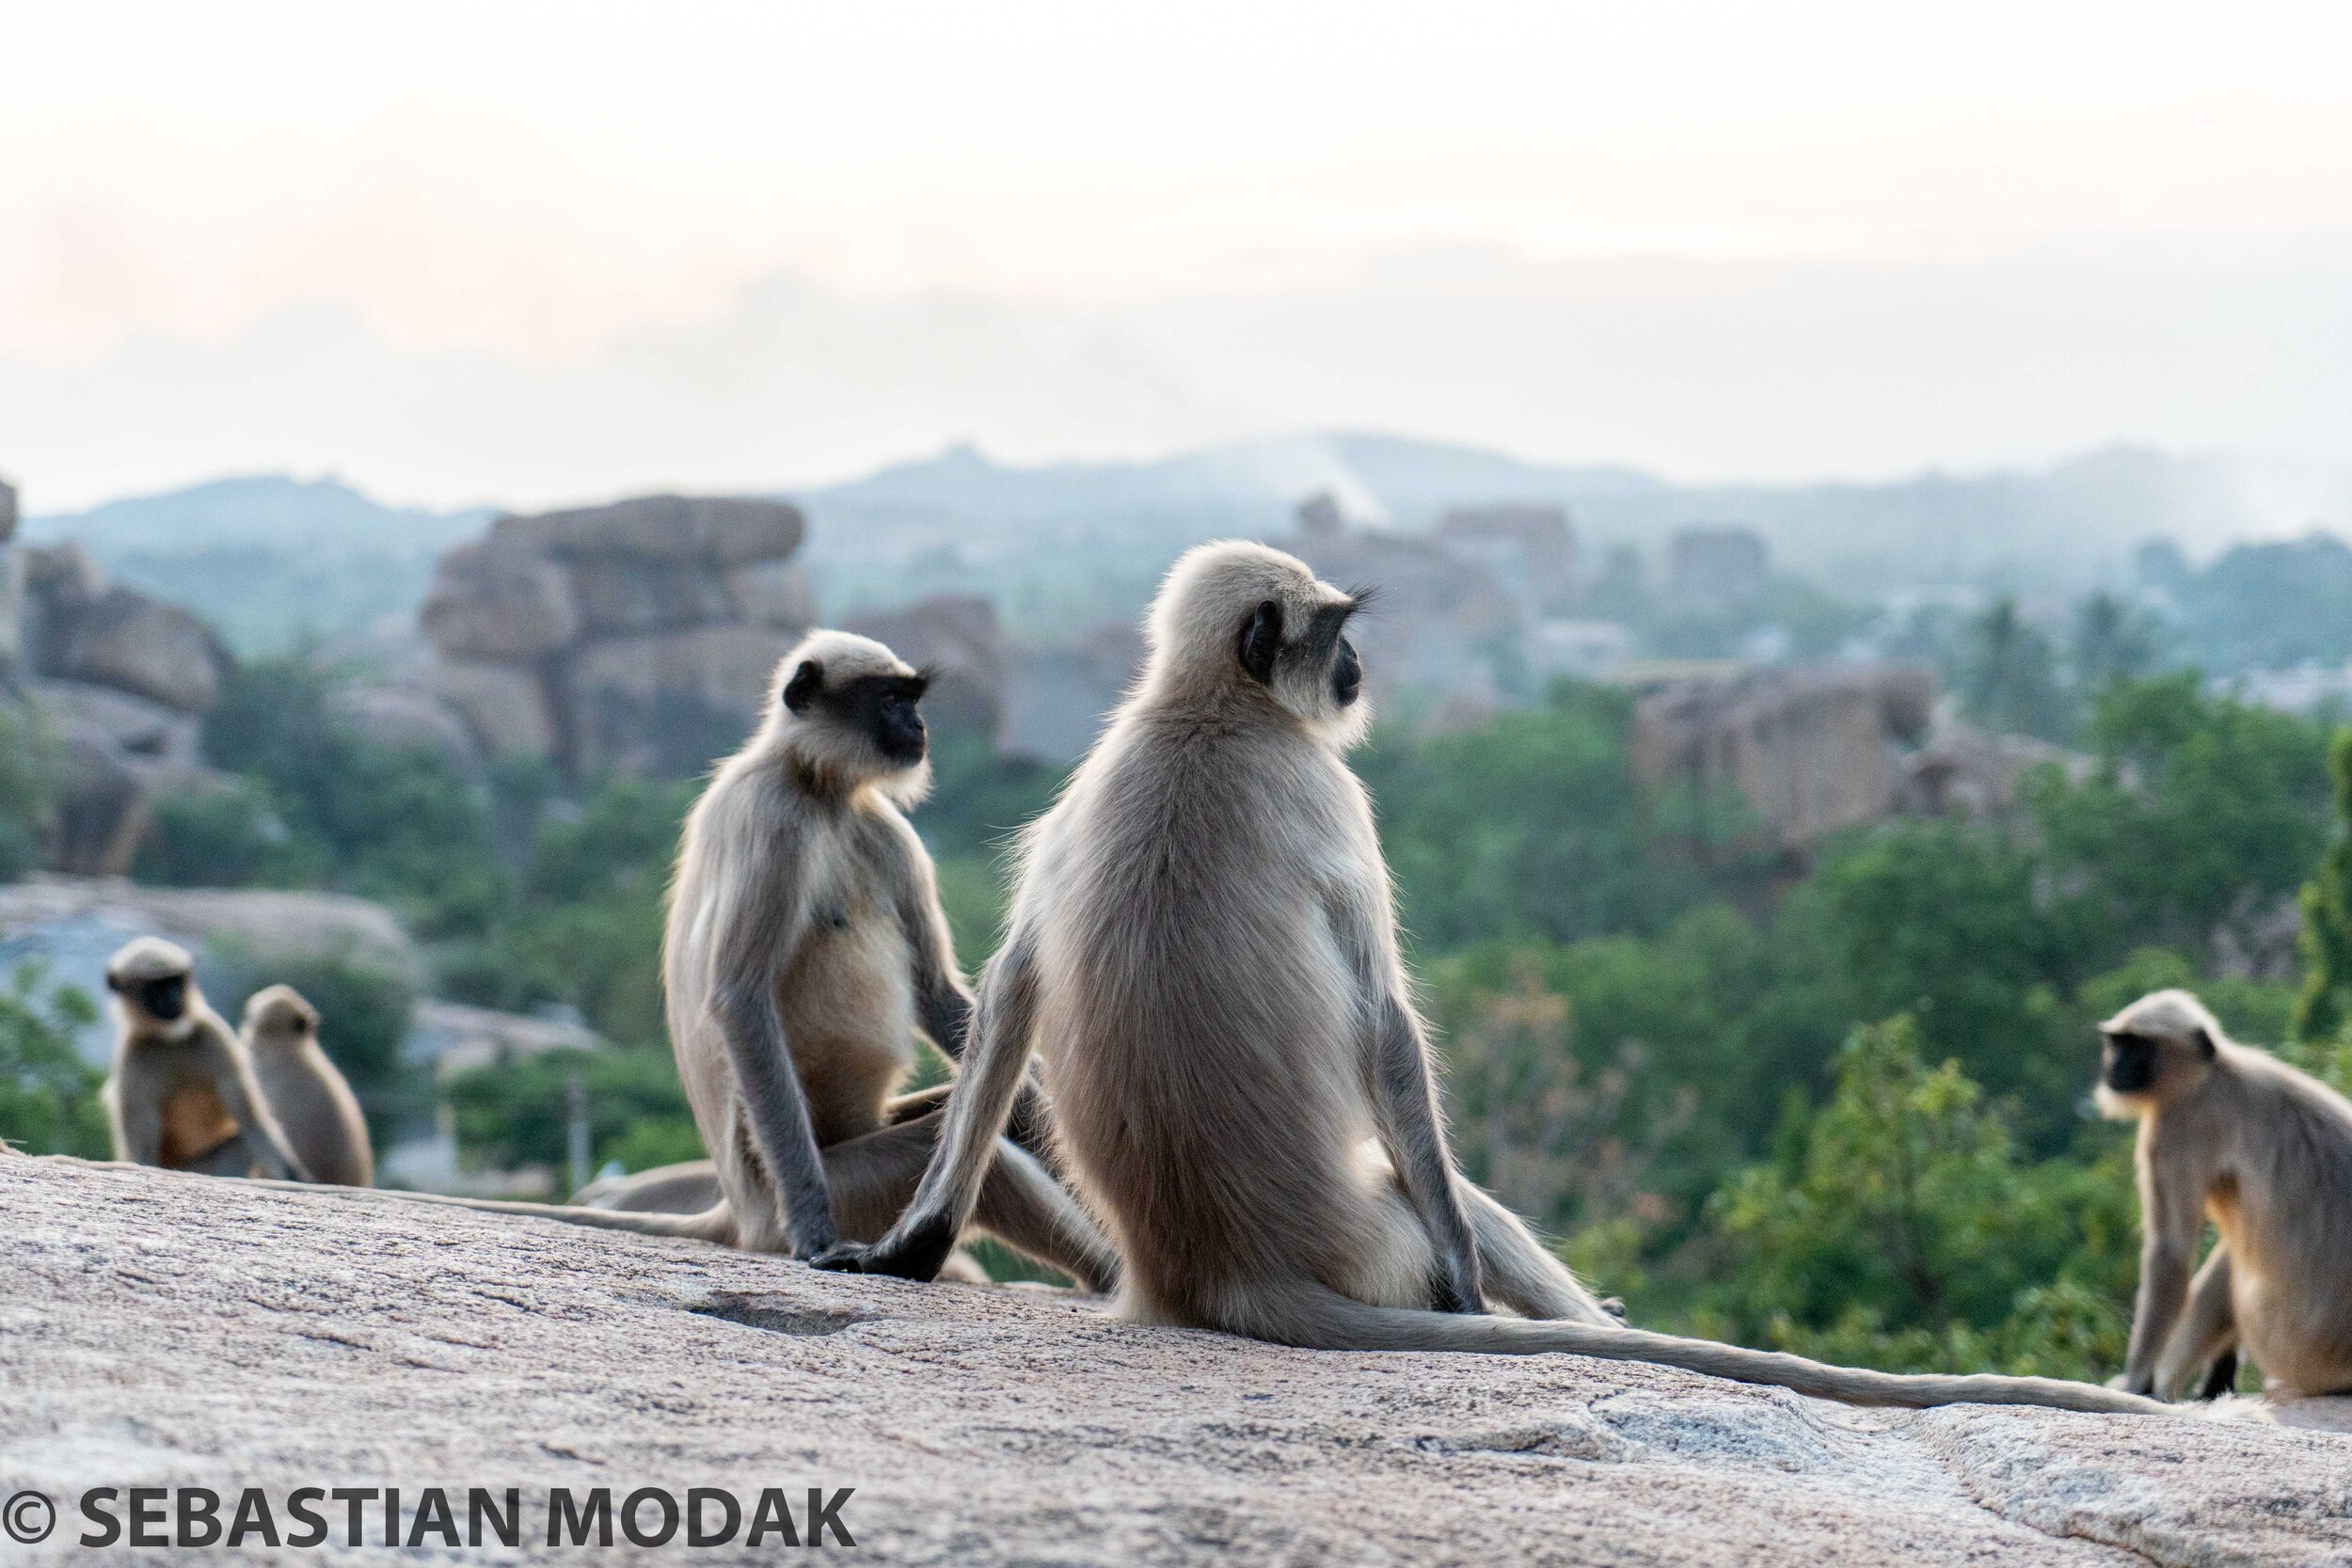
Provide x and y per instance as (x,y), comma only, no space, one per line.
(270,557)
(1112,525)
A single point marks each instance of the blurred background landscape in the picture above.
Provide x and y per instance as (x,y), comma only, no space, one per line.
(1866,591)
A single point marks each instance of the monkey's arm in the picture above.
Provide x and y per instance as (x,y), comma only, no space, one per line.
(918,1245)
(137,1127)
(1405,1092)
(2206,1330)
(233,1081)
(2171,1213)
(942,1002)
(753,937)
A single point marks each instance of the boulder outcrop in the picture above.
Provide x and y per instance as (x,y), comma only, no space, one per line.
(117,680)
(178,1331)
(640,636)
(1811,751)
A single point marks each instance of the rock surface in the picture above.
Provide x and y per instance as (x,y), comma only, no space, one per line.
(170,1330)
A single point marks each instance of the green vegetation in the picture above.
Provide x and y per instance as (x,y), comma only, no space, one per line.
(48,1095)
(29,766)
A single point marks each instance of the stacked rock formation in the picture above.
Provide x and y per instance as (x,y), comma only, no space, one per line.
(638,637)
(119,681)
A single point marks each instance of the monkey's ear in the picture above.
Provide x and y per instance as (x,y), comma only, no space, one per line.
(2205,1045)
(1261,641)
(801,689)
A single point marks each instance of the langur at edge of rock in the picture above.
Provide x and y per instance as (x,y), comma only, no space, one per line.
(1202,946)
(2234,1135)
(804,947)
(183,1094)
(314,1107)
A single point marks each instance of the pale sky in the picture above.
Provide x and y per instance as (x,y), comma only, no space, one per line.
(524,252)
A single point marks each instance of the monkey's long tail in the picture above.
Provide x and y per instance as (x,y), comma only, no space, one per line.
(714,1224)
(1314,1316)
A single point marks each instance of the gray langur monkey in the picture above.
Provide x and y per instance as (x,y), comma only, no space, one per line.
(181,1094)
(1202,945)
(305,1092)
(804,947)
(2234,1135)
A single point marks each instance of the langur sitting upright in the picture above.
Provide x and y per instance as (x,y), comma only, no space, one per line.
(314,1105)
(1204,947)
(181,1094)
(804,947)
(2236,1136)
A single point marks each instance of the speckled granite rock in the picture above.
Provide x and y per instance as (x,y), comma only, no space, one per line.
(175,1331)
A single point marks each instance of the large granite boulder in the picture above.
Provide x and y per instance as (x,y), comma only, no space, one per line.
(180,1331)
(669,702)
(119,755)
(118,679)
(777,594)
(499,601)
(407,717)
(723,530)
(1811,750)
(80,627)
(639,636)
(503,706)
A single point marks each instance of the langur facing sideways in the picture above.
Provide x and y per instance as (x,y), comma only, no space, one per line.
(2233,1135)
(804,947)
(181,1094)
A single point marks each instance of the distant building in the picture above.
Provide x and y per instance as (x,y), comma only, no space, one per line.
(1716,571)
(1532,548)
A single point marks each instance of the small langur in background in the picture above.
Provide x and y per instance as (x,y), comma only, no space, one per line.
(181,1094)
(2233,1135)
(314,1106)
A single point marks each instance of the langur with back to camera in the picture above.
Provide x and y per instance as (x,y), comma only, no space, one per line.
(804,947)
(308,1095)
(183,1094)
(1202,946)
(2234,1135)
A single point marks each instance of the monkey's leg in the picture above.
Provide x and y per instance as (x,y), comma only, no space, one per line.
(874,1177)
(1023,1206)
(1518,1272)
(2207,1329)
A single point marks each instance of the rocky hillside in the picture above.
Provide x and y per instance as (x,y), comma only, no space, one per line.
(172,1331)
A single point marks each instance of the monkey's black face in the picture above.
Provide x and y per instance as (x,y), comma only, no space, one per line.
(2129,1063)
(165,1000)
(1347,675)
(886,708)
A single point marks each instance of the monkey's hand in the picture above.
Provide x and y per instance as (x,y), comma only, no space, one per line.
(918,1255)
(808,1243)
